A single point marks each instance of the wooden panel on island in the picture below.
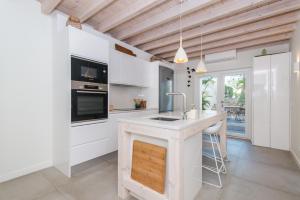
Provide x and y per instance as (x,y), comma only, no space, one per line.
(149,165)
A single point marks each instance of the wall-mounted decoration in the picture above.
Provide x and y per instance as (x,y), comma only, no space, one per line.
(190,71)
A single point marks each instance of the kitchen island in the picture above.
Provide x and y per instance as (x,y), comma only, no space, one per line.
(182,140)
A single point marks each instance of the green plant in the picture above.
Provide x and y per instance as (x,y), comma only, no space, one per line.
(205,101)
(204,94)
(228,91)
(235,91)
(241,95)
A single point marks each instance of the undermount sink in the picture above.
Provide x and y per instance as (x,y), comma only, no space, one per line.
(164,119)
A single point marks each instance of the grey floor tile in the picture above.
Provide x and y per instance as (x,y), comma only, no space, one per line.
(28,187)
(241,189)
(270,175)
(55,176)
(132,198)
(89,167)
(208,192)
(111,157)
(269,156)
(100,185)
(53,196)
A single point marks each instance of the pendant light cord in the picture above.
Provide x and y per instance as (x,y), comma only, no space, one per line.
(180,24)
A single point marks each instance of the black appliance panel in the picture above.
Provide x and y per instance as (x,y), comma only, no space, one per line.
(88,71)
(89,105)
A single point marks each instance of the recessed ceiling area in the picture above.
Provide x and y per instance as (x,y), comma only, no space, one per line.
(153,25)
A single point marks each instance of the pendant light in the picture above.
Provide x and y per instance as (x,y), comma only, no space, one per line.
(201,65)
(180,56)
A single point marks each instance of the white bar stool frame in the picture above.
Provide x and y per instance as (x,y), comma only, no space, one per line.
(212,132)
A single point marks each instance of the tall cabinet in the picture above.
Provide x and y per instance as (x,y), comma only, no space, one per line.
(271,101)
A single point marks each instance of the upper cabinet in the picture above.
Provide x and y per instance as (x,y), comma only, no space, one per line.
(87,45)
(129,70)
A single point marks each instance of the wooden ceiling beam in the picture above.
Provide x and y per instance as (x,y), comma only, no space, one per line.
(121,16)
(163,17)
(236,31)
(277,8)
(212,13)
(49,5)
(232,40)
(240,45)
(93,9)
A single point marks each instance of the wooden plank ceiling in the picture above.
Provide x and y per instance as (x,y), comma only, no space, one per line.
(153,25)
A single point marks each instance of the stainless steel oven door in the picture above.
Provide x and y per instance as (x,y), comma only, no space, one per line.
(89,105)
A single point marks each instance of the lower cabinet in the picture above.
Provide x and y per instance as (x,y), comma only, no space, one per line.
(88,151)
(93,140)
(88,133)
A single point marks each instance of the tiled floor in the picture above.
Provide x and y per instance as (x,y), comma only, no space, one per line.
(254,173)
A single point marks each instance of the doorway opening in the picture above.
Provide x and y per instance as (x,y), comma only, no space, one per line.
(227,91)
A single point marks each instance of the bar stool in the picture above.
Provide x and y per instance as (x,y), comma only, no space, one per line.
(212,134)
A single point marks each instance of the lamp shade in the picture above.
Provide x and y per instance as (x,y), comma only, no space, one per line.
(180,56)
(201,67)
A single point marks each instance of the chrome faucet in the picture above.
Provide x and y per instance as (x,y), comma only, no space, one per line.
(184,113)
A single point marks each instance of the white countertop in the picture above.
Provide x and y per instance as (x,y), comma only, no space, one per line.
(116,111)
(175,125)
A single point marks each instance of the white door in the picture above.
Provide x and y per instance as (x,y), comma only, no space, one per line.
(228,91)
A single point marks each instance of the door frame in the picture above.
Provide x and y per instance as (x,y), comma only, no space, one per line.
(220,75)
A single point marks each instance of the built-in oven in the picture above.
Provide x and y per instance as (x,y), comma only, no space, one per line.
(89,89)
(86,70)
(89,101)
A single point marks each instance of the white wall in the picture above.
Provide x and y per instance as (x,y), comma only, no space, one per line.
(295,95)
(25,85)
(244,60)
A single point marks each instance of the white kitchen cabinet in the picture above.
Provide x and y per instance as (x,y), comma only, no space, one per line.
(128,66)
(115,68)
(88,151)
(87,45)
(271,102)
(261,100)
(280,98)
(89,141)
(72,146)
(87,133)
(128,70)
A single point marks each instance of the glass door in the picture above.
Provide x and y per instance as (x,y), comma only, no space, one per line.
(234,103)
(229,92)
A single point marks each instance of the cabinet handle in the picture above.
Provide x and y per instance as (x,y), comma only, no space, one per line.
(91,92)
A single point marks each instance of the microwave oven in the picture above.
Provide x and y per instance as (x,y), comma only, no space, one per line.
(86,70)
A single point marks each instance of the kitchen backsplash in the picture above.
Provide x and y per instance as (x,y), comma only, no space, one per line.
(122,96)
